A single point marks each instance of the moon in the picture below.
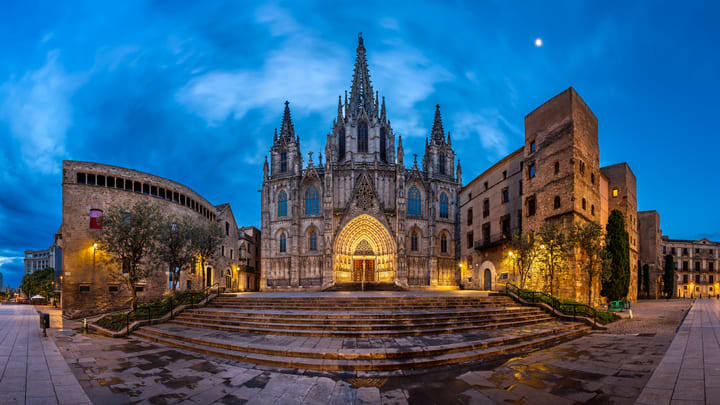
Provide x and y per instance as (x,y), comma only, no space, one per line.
(538,42)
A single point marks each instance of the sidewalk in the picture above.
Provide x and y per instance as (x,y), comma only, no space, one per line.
(32,370)
(690,370)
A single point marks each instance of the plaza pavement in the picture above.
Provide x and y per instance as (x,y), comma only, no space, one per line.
(32,370)
(689,373)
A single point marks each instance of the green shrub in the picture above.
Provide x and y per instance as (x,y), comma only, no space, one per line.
(565,306)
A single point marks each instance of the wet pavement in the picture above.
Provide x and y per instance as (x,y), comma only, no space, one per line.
(602,368)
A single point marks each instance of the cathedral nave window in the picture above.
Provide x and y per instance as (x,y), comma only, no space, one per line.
(414,201)
(341,145)
(283,242)
(363,137)
(442,163)
(312,206)
(414,241)
(282,204)
(313,241)
(283,162)
(444,205)
(443,243)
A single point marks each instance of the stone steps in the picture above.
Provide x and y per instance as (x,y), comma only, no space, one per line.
(380,359)
(367,307)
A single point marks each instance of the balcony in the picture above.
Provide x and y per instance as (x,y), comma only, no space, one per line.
(495,239)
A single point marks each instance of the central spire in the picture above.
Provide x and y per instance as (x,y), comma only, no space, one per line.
(361,91)
(438,133)
(287,131)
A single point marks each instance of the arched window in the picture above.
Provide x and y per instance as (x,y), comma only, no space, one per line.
(341,144)
(443,243)
(282,204)
(363,137)
(414,241)
(312,206)
(557,167)
(383,145)
(443,205)
(283,162)
(442,163)
(283,242)
(414,201)
(556,204)
(313,241)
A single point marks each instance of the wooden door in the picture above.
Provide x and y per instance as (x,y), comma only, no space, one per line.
(357,274)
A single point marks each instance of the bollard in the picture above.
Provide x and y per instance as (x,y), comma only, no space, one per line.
(85,324)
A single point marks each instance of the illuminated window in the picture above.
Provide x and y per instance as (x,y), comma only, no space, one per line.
(615,192)
(282,204)
(96,217)
(444,205)
(312,205)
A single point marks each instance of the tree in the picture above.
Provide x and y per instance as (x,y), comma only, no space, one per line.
(523,253)
(206,238)
(39,282)
(127,238)
(553,254)
(669,277)
(588,238)
(173,246)
(616,275)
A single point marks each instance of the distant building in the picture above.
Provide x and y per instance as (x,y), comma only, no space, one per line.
(651,254)
(250,244)
(696,266)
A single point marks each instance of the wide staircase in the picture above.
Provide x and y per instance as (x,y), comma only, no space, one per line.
(334,332)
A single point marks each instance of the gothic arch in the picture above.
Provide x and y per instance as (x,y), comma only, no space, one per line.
(368,232)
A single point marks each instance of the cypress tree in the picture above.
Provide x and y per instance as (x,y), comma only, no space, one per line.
(616,278)
(669,276)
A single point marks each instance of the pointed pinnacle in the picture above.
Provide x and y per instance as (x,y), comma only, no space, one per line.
(449,141)
(339,112)
(382,109)
(287,131)
(437,133)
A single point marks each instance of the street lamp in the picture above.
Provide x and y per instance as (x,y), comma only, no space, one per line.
(94,248)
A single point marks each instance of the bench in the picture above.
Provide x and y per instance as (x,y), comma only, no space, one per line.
(620,305)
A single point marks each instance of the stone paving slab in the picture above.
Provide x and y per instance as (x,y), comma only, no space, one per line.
(32,370)
(689,371)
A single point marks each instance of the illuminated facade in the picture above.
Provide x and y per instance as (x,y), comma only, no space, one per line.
(696,265)
(360,215)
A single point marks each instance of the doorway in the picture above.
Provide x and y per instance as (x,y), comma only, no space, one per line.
(487,280)
(363,267)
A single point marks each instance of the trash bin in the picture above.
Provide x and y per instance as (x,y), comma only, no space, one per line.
(44,321)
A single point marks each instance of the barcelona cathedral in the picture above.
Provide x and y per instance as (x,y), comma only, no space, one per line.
(360,216)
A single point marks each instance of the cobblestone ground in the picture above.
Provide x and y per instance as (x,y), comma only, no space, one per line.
(601,368)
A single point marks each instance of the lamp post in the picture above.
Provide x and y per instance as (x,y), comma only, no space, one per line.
(94,246)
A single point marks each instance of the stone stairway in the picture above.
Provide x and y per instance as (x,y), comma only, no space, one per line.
(361,333)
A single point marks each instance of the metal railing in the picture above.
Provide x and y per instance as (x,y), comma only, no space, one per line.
(159,310)
(568,308)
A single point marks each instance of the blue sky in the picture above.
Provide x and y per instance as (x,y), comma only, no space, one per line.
(192,91)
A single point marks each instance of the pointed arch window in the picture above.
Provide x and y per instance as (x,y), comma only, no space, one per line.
(414,241)
(363,137)
(383,145)
(313,241)
(282,204)
(312,205)
(441,163)
(341,144)
(443,243)
(414,201)
(283,162)
(444,205)
(283,242)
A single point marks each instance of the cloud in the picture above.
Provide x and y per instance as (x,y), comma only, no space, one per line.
(38,110)
(9,259)
(489,127)
(389,23)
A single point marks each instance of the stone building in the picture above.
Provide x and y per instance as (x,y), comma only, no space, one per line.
(90,284)
(555,176)
(651,254)
(250,241)
(39,259)
(360,215)
(696,265)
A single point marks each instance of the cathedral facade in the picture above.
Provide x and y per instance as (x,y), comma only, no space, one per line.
(360,216)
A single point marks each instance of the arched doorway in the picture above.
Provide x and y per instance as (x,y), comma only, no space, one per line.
(364,251)
(487,280)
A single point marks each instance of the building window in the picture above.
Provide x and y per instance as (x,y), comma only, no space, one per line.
(486,185)
(697,278)
(584,204)
(414,241)
(283,242)
(222,251)
(685,252)
(442,163)
(84,288)
(282,204)
(531,170)
(96,217)
(101,180)
(486,208)
(312,205)
(504,174)
(697,266)
(469,216)
(444,206)
(383,150)
(139,288)
(443,243)
(341,144)
(685,278)
(470,240)
(592,178)
(137,187)
(505,195)
(592,210)
(557,167)
(486,233)
(146,188)
(110,181)
(414,201)
(582,167)
(664,249)
(505,224)
(531,206)
(227,228)
(556,202)
(363,137)
(711,279)
(81,178)
(711,266)
(520,187)
(283,162)
(313,241)
(532,146)
(685,265)
(128,185)
(91,179)
(614,192)
(113,288)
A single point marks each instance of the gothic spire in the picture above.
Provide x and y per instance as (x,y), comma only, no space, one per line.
(437,134)
(340,111)
(383,116)
(287,131)
(361,91)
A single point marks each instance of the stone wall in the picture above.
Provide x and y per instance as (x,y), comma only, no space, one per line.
(650,250)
